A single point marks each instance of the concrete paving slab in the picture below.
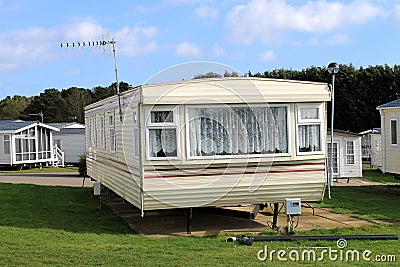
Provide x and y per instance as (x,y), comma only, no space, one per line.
(50,179)
(359,181)
(208,222)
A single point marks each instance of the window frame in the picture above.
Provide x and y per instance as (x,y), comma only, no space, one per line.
(93,131)
(164,126)
(111,145)
(111,131)
(28,145)
(353,155)
(309,122)
(136,135)
(7,144)
(135,117)
(102,135)
(272,155)
(336,159)
(396,135)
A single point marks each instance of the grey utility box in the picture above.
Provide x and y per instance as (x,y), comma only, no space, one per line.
(96,188)
(293,206)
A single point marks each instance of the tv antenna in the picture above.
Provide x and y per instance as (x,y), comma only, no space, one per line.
(40,114)
(104,43)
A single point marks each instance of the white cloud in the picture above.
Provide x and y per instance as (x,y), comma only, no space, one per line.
(82,31)
(206,12)
(396,13)
(188,49)
(134,41)
(34,45)
(138,40)
(264,19)
(268,55)
(23,47)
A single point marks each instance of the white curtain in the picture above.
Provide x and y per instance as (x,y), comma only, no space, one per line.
(162,139)
(237,131)
(309,113)
(162,142)
(309,138)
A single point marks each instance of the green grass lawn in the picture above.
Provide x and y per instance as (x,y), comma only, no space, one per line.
(378,176)
(61,226)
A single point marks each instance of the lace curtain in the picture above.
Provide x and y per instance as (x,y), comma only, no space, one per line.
(162,139)
(237,131)
(162,142)
(309,130)
(309,138)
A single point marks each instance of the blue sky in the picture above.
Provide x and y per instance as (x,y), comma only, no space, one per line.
(151,36)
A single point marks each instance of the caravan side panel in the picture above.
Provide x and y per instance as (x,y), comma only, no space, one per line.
(233,185)
(114,165)
(376,150)
(5,159)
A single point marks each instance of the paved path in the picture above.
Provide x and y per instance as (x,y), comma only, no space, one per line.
(162,223)
(355,182)
(55,179)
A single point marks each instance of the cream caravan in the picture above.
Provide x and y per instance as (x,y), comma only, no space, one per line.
(211,142)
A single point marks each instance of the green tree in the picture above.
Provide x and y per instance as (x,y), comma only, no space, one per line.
(99,92)
(75,101)
(11,108)
(50,103)
(357,91)
(208,75)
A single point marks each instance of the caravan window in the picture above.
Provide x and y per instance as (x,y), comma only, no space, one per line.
(93,133)
(101,128)
(309,127)
(25,145)
(6,139)
(393,132)
(111,131)
(237,130)
(161,133)
(334,157)
(112,140)
(350,157)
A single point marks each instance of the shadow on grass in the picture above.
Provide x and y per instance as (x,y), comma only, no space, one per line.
(72,209)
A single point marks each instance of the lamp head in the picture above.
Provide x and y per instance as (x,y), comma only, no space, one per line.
(333,68)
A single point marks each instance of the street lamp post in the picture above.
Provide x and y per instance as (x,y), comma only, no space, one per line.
(333,68)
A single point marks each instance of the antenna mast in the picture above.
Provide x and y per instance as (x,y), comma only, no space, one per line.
(40,114)
(102,43)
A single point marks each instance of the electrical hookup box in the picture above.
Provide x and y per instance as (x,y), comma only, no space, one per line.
(293,206)
(96,188)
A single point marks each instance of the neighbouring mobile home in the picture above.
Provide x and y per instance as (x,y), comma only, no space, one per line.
(211,142)
(390,117)
(27,142)
(347,160)
(71,140)
(371,147)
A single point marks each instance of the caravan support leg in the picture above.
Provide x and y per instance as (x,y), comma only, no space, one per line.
(189,221)
(275,218)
